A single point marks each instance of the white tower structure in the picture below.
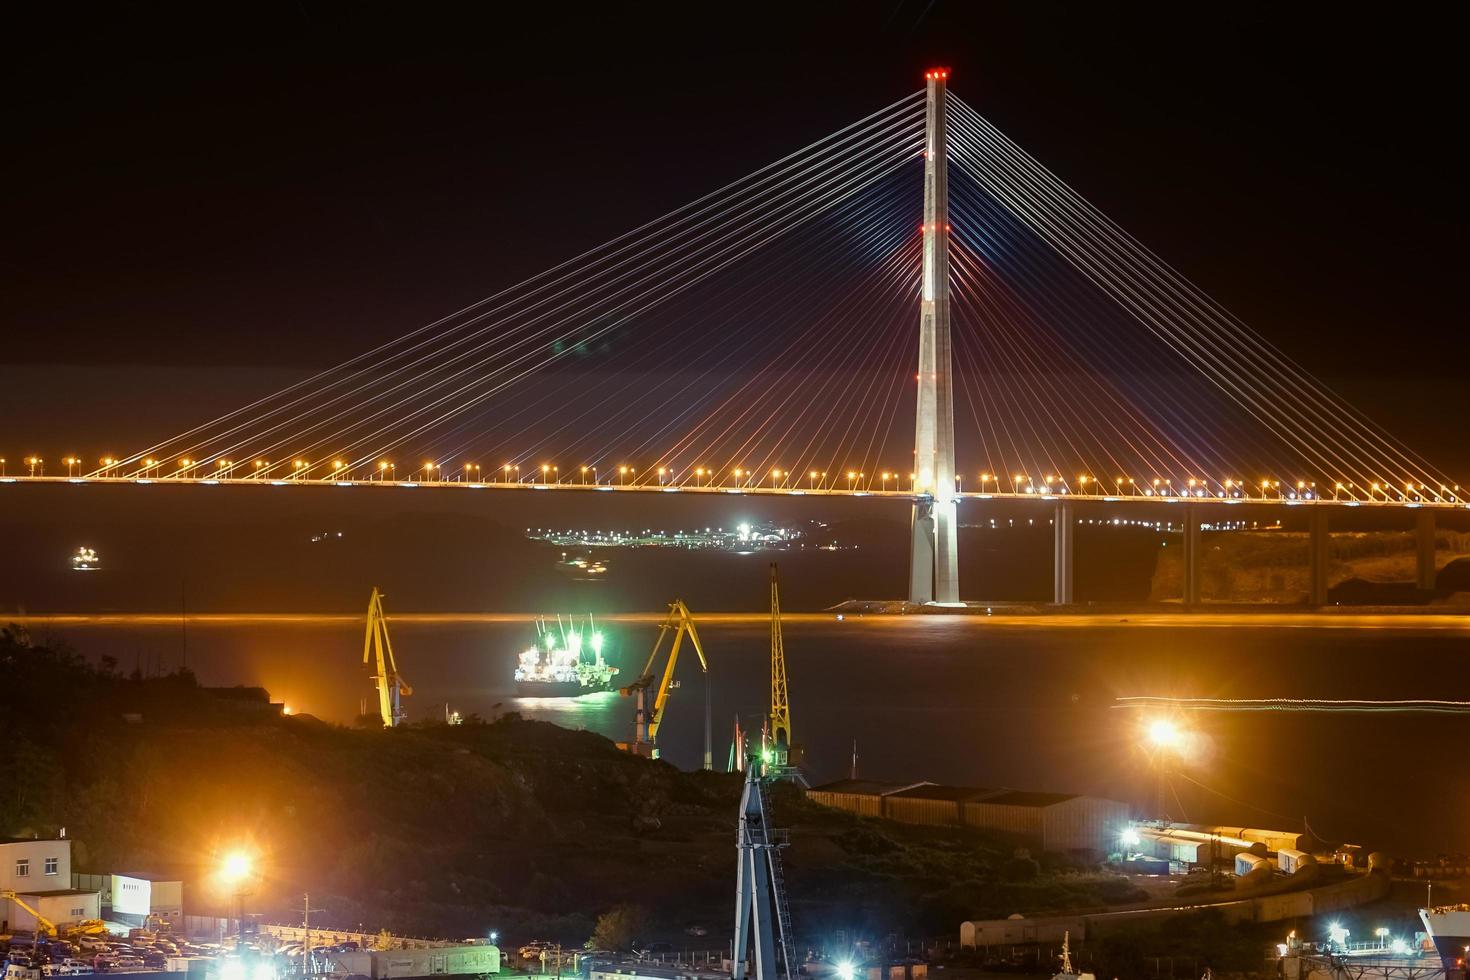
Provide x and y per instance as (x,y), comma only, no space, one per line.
(934,556)
(762,918)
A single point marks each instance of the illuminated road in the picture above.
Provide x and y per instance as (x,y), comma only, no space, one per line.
(1449,620)
(1165,495)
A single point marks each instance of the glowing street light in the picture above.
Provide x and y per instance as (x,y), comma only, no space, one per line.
(852,479)
(236,870)
(1163,733)
(1166,740)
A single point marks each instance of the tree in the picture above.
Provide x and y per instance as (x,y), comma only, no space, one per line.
(618,928)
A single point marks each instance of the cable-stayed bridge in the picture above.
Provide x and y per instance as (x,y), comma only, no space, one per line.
(760,340)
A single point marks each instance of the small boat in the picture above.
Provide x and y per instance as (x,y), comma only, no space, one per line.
(582,568)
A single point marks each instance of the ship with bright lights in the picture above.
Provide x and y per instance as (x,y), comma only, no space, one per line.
(566,661)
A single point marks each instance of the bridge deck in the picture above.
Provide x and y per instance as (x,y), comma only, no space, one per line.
(1142,497)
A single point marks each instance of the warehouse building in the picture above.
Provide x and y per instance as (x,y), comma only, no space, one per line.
(137,898)
(1049,821)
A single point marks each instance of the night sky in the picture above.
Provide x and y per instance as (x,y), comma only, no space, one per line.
(202,202)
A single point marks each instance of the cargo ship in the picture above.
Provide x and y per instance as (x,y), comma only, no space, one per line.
(1448,927)
(566,661)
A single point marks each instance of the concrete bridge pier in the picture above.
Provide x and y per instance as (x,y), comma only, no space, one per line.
(1318,538)
(1424,548)
(1191,555)
(1063,569)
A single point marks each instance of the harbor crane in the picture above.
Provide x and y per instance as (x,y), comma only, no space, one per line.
(392,688)
(785,754)
(646,722)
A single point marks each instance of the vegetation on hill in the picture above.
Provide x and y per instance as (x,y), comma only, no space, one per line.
(518,826)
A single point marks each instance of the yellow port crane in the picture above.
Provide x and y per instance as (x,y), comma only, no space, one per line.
(784,752)
(392,688)
(646,723)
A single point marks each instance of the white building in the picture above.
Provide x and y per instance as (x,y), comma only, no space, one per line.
(39,872)
(34,864)
(137,898)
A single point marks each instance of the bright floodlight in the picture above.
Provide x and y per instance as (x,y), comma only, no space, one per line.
(236,867)
(232,969)
(1131,838)
(845,970)
(263,971)
(1164,733)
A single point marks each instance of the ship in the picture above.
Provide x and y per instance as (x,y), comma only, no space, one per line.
(566,661)
(85,560)
(582,568)
(1448,927)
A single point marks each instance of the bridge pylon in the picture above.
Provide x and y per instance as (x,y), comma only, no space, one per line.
(934,554)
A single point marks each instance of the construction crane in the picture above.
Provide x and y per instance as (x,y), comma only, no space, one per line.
(784,752)
(47,928)
(44,926)
(392,688)
(646,723)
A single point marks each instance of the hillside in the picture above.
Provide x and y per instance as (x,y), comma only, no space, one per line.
(519,826)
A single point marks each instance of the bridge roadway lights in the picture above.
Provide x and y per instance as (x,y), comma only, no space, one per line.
(1318,555)
(1424,548)
(1063,568)
(1191,555)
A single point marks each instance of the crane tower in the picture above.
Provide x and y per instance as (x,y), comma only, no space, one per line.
(392,688)
(783,752)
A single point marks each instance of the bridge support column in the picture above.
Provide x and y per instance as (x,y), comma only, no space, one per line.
(934,561)
(1318,555)
(1191,555)
(1424,548)
(1063,570)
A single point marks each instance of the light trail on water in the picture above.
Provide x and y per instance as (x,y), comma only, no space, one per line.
(1405,706)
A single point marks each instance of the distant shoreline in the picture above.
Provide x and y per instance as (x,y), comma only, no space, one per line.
(1450,618)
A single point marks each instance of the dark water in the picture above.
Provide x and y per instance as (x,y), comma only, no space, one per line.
(960,701)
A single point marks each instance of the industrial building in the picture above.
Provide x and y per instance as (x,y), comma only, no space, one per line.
(1061,822)
(135,898)
(38,870)
(40,873)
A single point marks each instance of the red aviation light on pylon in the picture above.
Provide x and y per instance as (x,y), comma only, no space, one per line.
(936,74)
